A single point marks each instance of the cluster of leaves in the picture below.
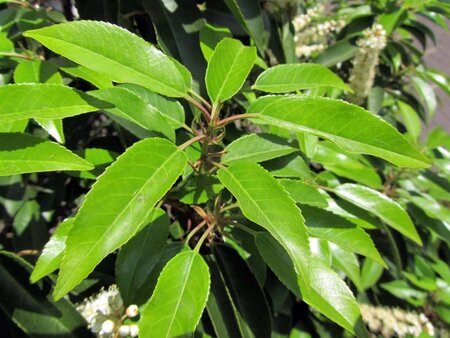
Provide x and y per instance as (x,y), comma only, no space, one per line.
(224,197)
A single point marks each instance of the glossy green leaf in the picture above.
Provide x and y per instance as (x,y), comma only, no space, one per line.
(179,298)
(131,107)
(256,148)
(350,127)
(29,305)
(401,289)
(292,77)
(328,293)
(347,165)
(98,80)
(339,52)
(46,101)
(304,193)
(347,262)
(100,158)
(257,193)
(139,256)
(24,153)
(171,109)
(380,205)
(426,93)
(431,207)
(18,126)
(326,225)
(115,52)
(291,165)
(248,298)
(410,118)
(370,273)
(53,252)
(117,205)
(228,68)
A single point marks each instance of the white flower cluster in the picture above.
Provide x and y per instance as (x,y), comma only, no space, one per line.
(302,20)
(311,38)
(104,313)
(365,62)
(273,6)
(395,322)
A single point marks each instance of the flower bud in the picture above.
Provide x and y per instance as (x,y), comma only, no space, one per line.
(134,330)
(132,311)
(108,326)
(124,331)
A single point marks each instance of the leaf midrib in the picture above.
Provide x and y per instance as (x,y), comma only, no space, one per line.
(181,293)
(165,87)
(136,195)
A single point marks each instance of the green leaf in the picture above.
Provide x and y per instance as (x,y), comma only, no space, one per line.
(46,101)
(347,263)
(114,52)
(257,193)
(338,52)
(401,289)
(380,205)
(370,273)
(304,193)
(256,148)
(248,298)
(326,225)
(98,80)
(140,255)
(410,119)
(293,77)
(220,307)
(426,93)
(131,107)
(42,72)
(179,298)
(228,68)
(117,205)
(328,293)
(351,127)
(29,305)
(53,252)
(291,165)
(171,109)
(23,153)
(210,36)
(249,15)
(347,165)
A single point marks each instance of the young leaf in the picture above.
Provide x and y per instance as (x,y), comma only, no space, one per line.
(257,193)
(115,52)
(380,205)
(47,101)
(293,77)
(179,298)
(117,205)
(24,153)
(248,298)
(210,36)
(256,148)
(228,68)
(139,256)
(351,127)
(52,254)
